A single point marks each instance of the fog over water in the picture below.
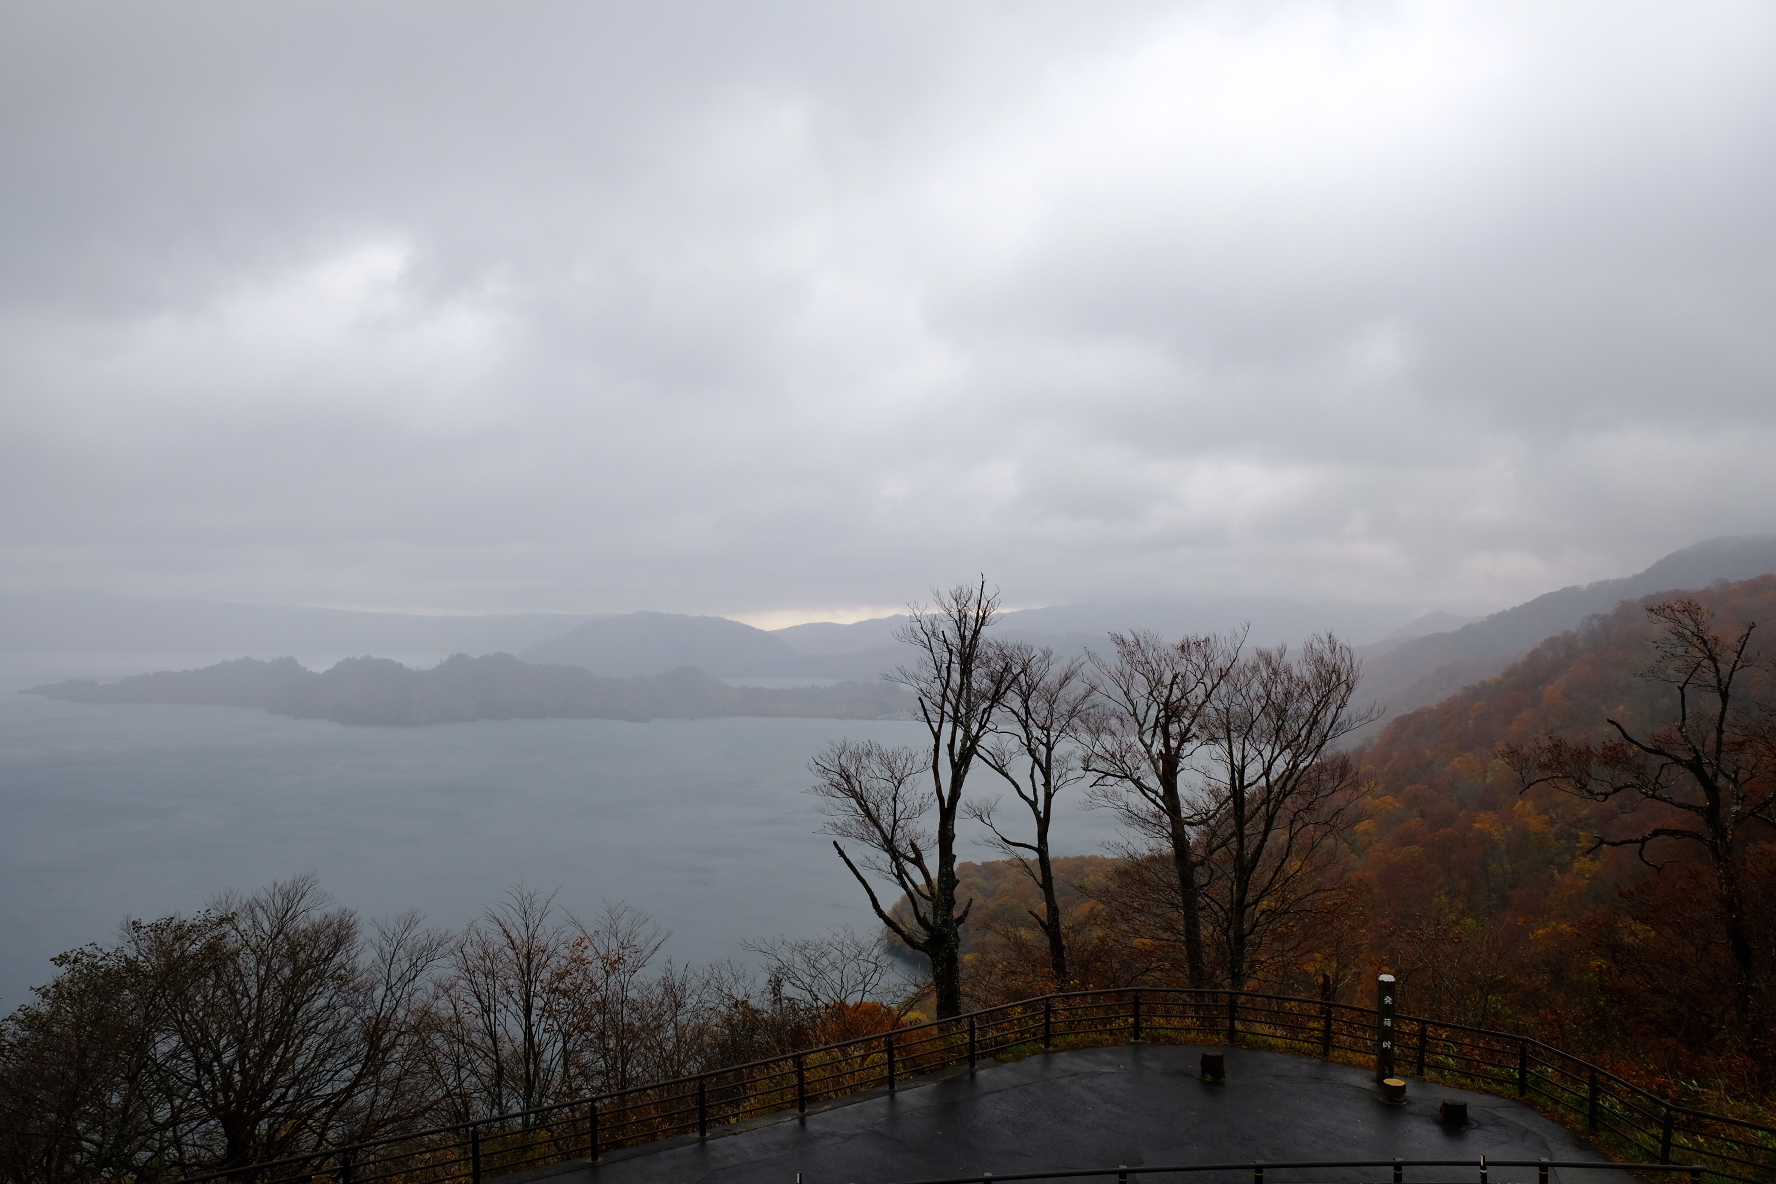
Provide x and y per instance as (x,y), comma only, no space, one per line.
(149,809)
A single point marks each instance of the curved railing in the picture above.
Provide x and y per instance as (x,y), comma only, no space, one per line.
(1262,1172)
(1621,1116)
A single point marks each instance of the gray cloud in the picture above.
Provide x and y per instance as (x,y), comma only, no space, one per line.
(741,308)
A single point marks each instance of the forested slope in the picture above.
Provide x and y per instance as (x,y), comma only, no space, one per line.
(1496,903)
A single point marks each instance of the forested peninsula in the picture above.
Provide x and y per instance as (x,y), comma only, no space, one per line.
(379,691)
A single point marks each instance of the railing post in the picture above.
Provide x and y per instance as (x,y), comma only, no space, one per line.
(1523,1068)
(1399,1172)
(1137,1018)
(1665,1138)
(801,1085)
(1122,1176)
(345,1167)
(1257,1173)
(971,1040)
(890,1040)
(1482,1169)
(592,1129)
(1542,1171)
(1232,1016)
(1325,1015)
(1048,1021)
(1385,1002)
(703,1107)
(1424,1026)
(475,1154)
(1591,1101)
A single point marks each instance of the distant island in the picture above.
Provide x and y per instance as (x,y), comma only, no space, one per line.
(378,691)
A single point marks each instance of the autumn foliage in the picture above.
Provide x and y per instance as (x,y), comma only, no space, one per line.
(1490,896)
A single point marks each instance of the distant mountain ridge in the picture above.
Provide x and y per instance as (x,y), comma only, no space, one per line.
(1406,665)
(95,623)
(378,691)
(1419,671)
(647,643)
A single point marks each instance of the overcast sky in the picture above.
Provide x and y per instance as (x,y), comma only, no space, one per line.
(789,311)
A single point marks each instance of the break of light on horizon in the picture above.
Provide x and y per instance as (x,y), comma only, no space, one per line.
(787,311)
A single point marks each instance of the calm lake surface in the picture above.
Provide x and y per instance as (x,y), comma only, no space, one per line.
(115,810)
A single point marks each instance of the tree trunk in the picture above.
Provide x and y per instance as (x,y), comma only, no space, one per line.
(1239,897)
(944,947)
(1184,866)
(1051,907)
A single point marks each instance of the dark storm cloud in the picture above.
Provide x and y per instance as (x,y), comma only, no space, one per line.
(742,308)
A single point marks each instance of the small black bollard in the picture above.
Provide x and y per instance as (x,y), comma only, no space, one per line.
(1393,1091)
(1214,1066)
(1453,1115)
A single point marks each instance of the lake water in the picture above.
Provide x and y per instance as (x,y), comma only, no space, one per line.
(113,810)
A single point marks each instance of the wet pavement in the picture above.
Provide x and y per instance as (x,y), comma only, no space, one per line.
(1100,1107)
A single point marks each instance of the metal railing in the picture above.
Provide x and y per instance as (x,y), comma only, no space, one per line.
(1621,1115)
(1258,1169)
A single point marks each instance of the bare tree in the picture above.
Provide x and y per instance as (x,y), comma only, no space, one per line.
(1711,768)
(1276,796)
(276,1036)
(839,970)
(396,1091)
(539,1006)
(506,1047)
(1035,751)
(79,1092)
(632,1026)
(265,1026)
(875,796)
(1153,702)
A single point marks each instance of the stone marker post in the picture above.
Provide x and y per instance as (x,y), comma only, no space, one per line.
(1385,1000)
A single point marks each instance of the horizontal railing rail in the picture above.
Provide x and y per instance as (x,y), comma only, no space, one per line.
(1622,1116)
(1259,1169)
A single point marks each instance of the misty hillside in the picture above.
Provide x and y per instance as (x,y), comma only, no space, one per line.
(1404,675)
(648,643)
(1408,661)
(1272,619)
(830,637)
(70,623)
(497,686)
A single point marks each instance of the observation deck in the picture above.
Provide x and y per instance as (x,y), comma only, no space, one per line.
(1135,1105)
